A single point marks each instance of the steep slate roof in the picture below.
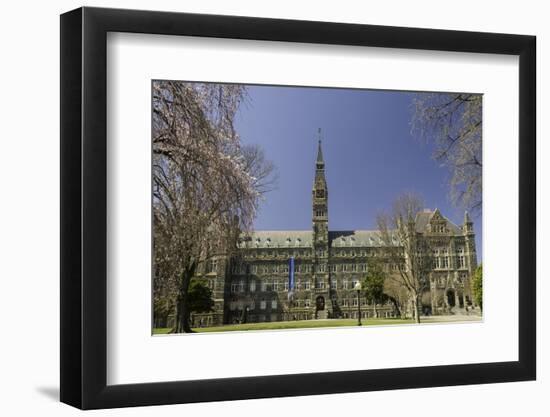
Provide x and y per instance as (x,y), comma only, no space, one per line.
(302,238)
(280,239)
(423,219)
(354,238)
(337,238)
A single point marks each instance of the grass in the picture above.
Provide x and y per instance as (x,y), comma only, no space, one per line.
(298,324)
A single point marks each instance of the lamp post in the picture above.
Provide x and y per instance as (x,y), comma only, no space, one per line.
(358,289)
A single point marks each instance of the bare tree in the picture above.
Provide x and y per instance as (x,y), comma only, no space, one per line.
(262,171)
(406,250)
(453,122)
(205,192)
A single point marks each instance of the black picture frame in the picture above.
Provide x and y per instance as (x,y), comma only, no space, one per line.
(84,207)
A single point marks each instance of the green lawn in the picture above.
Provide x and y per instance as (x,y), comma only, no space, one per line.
(299,324)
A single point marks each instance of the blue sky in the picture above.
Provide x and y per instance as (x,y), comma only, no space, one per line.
(370,155)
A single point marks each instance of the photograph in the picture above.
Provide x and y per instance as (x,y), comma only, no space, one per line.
(293,207)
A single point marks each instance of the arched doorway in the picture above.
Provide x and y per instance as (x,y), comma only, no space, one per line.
(451,297)
(320,303)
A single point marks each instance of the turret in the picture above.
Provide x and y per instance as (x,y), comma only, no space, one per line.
(468,225)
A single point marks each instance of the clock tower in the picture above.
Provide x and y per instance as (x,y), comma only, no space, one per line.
(320,236)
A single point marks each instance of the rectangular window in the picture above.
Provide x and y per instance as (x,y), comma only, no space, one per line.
(234,287)
(354,267)
(252,286)
(273,304)
(264,286)
(262,305)
(333,283)
(211,266)
(306,285)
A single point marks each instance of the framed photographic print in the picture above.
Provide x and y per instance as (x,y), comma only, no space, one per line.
(258,208)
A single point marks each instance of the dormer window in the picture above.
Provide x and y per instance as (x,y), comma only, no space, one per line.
(439,228)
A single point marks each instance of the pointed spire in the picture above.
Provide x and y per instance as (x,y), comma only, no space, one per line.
(319,150)
(320,161)
(467,217)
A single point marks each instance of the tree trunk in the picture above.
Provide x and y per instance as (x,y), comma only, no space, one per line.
(416,307)
(396,306)
(182,307)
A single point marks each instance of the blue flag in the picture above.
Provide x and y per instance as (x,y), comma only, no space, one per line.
(290,277)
